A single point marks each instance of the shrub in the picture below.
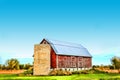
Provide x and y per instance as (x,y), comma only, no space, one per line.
(111,67)
(53,72)
(91,71)
(59,72)
(69,73)
(99,71)
(84,72)
(76,72)
(28,72)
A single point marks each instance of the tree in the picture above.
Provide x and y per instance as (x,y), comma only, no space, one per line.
(12,64)
(27,66)
(116,62)
(21,66)
(3,67)
(0,67)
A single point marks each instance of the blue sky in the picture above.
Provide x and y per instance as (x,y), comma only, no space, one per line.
(93,23)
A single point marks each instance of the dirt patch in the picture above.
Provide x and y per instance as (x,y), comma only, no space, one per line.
(109,70)
(11,71)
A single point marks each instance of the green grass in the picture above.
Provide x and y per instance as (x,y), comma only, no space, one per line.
(101,76)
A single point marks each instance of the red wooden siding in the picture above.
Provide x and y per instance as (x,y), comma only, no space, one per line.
(53,59)
(87,62)
(80,62)
(73,62)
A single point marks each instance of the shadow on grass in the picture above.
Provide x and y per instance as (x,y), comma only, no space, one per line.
(110,79)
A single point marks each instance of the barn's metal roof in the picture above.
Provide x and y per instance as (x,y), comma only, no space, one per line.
(67,48)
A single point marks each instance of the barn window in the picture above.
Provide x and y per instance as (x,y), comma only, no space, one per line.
(80,59)
(73,64)
(79,64)
(64,58)
(44,42)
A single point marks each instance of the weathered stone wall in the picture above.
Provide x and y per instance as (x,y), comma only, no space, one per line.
(41,59)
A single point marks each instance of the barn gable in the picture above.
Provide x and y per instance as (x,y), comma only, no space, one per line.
(66,48)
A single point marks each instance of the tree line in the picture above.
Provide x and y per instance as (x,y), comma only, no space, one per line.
(14,64)
(115,64)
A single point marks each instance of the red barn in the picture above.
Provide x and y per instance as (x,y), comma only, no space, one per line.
(66,55)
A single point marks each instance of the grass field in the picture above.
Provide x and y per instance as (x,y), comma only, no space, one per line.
(71,77)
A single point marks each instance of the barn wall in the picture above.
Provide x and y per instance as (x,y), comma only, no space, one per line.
(73,62)
(53,59)
(87,62)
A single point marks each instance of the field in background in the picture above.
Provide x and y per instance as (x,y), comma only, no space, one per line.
(93,74)
(101,76)
(11,71)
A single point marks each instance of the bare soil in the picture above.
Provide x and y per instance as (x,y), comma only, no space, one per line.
(11,71)
(109,70)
